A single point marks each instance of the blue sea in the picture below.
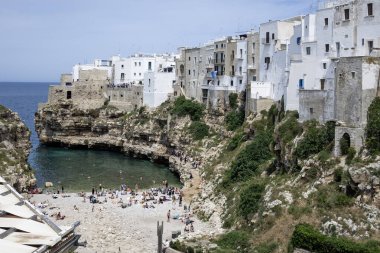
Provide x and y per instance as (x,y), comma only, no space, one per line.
(77,170)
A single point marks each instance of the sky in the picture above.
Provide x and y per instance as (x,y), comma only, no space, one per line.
(40,39)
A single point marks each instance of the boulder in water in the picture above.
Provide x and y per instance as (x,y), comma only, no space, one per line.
(48,184)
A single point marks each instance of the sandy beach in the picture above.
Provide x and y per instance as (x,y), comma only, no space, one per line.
(108,227)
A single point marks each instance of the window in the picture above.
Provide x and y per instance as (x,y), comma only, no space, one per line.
(267,62)
(135,64)
(362,42)
(232,83)
(323,84)
(216,46)
(298,40)
(189,58)
(241,53)
(253,60)
(240,81)
(311,111)
(346,14)
(150,65)
(195,60)
(149,81)
(134,74)
(308,50)
(327,48)
(301,84)
(139,74)
(324,65)
(139,63)
(253,46)
(326,22)
(267,37)
(189,72)
(122,76)
(370,9)
(193,72)
(240,70)
(272,36)
(122,66)
(353,74)
(68,94)
(254,78)
(370,46)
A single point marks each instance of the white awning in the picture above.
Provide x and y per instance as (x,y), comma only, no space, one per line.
(30,226)
(21,211)
(32,239)
(11,247)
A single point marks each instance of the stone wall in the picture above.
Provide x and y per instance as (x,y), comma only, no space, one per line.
(348,91)
(356,138)
(126,99)
(218,100)
(316,104)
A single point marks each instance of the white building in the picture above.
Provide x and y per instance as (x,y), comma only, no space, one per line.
(340,28)
(276,47)
(97,64)
(132,69)
(158,84)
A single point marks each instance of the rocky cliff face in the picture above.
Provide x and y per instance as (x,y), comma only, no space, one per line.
(156,135)
(338,198)
(14,150)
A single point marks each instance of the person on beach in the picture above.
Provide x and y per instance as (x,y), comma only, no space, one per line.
(63,189)
(168,216)
(93,190)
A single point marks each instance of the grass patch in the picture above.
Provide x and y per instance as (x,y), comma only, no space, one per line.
(235,240)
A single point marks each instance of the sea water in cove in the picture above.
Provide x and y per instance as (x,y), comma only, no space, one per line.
(77,170)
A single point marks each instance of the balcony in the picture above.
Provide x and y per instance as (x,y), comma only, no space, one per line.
(251,67)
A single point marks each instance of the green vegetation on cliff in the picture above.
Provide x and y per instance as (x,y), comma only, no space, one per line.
(183,107)
(373,127)
(307,237)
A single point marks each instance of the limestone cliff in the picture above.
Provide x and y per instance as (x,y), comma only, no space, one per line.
(156,135)
(14,150)
(265,177)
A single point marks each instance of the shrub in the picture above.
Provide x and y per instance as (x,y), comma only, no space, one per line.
(314,141)
(344,146)
(183,107)
(338,175)
(234,240)
(350,154)
(272,114)
(329,197)
(250,200)
(233,100)
(323,156)
(199,130)
(249,159)
(235,141)
(234,119)
(308,238)
(373,127)
(290,128)
(298,211)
